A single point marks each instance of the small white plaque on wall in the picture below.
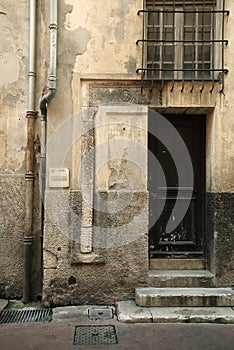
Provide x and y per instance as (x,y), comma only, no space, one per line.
(59,177)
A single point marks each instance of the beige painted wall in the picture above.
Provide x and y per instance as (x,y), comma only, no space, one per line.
(14,27)
(107,51)
(13,84)
(97,43)
(114,28)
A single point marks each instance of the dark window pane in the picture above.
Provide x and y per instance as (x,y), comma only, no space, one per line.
(189,53)
(204,18)
(168,18)
(204,72)
(153,18)
(188,73)
(168,71)
(204,52)
(189,19)
(153,74)
(153,33)
(168,34)
(168,53)
(189,34)
(204,33)
(153,53)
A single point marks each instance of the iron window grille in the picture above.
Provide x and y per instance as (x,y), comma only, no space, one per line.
(183,40)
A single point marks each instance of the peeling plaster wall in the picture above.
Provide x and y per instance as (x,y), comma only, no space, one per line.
(97,61)
(14,24)
(114,28)
(13,84)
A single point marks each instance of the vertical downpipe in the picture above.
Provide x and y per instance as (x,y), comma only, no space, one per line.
(29,176)
(46,98)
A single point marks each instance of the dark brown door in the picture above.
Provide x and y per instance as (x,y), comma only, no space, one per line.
(187,236)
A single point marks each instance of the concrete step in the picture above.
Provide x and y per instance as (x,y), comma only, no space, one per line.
(177,264)
(180,278)
(129,312)
(167,297)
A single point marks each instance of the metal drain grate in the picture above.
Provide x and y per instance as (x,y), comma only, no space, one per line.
(95,335)
(26,316)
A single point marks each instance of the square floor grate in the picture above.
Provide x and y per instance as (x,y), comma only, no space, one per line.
(95,335)
(26,316)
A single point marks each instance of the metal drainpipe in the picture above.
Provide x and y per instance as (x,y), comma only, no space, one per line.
(29,176)
(45,99)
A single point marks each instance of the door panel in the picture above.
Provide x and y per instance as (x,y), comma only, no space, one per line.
(188,236)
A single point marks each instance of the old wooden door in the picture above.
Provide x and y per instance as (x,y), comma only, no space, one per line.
(187,239)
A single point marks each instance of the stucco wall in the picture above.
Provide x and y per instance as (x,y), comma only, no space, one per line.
(98,57)
(97,61)
(14,24)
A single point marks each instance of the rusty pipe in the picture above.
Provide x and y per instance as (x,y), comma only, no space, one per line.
(29,175)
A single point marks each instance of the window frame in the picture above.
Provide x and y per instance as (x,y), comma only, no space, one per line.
(216,58)
(178,72)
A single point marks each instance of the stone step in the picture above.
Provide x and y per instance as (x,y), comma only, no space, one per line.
(177,264)
(3,304)
(180,278)
(167,297)
(129,312)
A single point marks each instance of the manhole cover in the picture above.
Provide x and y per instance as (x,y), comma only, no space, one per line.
(26,315)
(95,335)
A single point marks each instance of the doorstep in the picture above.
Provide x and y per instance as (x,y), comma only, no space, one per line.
(129,312)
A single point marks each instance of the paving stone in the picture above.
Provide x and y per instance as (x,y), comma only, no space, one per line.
(129,312)
(3,304)
(66,312)
(223,315)
(69,312)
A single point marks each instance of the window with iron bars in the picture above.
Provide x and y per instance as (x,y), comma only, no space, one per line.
(183,40)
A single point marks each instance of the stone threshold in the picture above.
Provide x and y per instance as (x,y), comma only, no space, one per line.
(186,297)
(129,312)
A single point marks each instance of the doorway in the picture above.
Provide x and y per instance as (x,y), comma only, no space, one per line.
(187,239)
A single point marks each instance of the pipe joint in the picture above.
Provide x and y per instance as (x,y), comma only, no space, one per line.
(43,117)
(31,114)
(31,74)
(53,26)
(29,176)
(53,83)
(52,78)
(28,240)
(49,95)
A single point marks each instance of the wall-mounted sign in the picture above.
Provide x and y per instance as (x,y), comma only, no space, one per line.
(58,177)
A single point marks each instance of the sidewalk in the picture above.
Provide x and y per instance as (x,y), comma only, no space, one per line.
(59,334)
